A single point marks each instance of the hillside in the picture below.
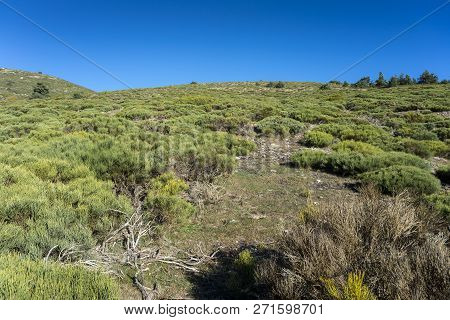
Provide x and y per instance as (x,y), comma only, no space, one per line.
(21,83)
(229,190)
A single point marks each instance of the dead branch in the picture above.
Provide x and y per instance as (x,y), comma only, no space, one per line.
(138,249)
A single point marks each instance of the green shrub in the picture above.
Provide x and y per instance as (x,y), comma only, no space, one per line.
(77,95)
(386,159)
(241,276)
(207,155)
(346,163)
(315,114)
(424,148)
(317,139)
(353,289)
(37,215)
(309,159)
(245,263)
(397,178)
(198,100)
(54,170)
(164,201)
(443,173)
(417,131)
(25,279)
(441,203)
(279,85)
(356,146)
(366,133)
(264,111)
(277,125)
(350,163)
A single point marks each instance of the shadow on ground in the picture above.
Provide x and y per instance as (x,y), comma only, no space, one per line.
(227,278)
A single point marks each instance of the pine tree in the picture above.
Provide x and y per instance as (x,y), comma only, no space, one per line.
(40,90)
(363,83)
(408,80)
(428,78)
(380,82)
(393,82)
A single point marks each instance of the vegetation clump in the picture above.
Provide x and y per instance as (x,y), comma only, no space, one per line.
(353,289)
(395,179)
(317,139)
(163,200)
(350,162)
(40,91)
(357,146)
(25,279)
(276,125)
(111,175)
(335,254)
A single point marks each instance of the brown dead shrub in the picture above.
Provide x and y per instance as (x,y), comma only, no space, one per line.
(390,239)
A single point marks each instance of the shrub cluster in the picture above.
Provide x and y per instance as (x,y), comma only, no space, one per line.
(424,148)
(62,210)
(395,179)
(441,203)
(365,133)
(163,200)
(276,125)
(317,139)
(373,247)
(350,163)
(356,146)
(25,279)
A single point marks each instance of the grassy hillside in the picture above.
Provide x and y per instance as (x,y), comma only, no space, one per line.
(19,83)
(211,190)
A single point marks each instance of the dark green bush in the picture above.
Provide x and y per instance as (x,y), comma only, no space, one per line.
(317,139)
(363,83)
(25,279)
(40,90)
(279,85)
(398,178)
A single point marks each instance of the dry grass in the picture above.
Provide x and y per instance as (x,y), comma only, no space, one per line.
(389,239)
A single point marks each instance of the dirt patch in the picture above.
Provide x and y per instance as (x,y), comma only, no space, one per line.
(269,151)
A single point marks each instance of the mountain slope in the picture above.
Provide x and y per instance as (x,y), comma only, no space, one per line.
(21,83)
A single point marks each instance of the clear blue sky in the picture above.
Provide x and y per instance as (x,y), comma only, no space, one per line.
(156,43)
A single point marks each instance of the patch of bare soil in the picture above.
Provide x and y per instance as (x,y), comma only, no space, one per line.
(269,151)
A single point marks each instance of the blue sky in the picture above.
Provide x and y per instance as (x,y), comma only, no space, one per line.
(156,43)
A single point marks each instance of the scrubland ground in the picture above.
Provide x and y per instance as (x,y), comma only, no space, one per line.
(228,190)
